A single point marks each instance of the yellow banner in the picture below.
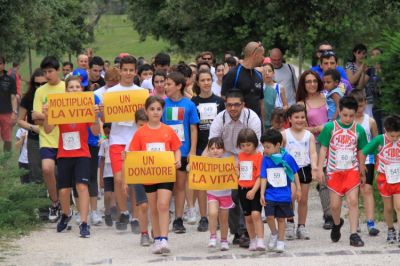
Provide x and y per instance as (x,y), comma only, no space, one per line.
(71,107)
(121,106)
(144,167)
(212,173)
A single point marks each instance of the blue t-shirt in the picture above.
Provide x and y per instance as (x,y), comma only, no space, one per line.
(318,69)
(92,139)
(278,194)
(180,116)
(331,103)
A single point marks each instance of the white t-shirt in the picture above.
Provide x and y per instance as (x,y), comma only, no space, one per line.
(122,132)
(216,89)
(23,156)
(99,92)
(284,77)
(146,84)
(104,152)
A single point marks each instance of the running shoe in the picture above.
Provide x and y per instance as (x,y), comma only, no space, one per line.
(328,223)
(135,226)
(335,233)
(156,249)
(54,213)
(122,224)
(391,236)
(272,242)
(355,240)
(63,223)
(203,225)
(108,220)
(280,246)
(164,246)
(191,216)
(145,240)
(260,246)
(178,227)
(253,244)
(290,231)
(84,230)
(372,230)
(224,246)
(302,233)
(212,242)
(95,219)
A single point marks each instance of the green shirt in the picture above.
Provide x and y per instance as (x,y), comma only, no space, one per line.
(373,146)
(325,137)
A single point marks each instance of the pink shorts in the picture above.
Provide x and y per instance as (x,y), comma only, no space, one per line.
(224,202)
(6,127)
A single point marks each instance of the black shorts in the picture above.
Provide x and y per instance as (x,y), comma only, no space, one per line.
(108,184)
(305,174)
(48,153)
(249,206)
(184,163)
(279,209)
(155,187)
(370,174)
(72,171)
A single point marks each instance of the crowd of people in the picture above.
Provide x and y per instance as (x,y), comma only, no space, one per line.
(283,131)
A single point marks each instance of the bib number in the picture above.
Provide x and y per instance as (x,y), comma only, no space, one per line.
(299,156)
(126,123)
(392,172)
(156,146)
(344,159)
(276,177)
(179,131)
(71,141)
(246,171)
(208,111)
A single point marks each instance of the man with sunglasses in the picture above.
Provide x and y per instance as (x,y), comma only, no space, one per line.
(247,79)
(328,60)
(8,106)
(227,125)
(324,47)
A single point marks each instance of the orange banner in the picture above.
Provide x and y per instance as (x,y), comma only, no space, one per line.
(121,106)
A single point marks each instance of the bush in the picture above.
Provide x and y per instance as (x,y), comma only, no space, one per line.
(19,203)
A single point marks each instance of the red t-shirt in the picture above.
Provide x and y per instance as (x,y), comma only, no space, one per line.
(148,139)
(245,161)
(73,141)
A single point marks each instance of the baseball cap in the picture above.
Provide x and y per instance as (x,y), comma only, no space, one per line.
(80,72)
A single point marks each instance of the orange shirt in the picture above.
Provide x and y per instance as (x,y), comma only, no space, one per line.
(244,161)
(145,138)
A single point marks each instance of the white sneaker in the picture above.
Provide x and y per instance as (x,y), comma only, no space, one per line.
(78,218)
(260,246)
(280,246)
(302,233)
(212,243)
(224,246)
(156,247)
(95,219)
(191,216)
(272,241)
(164,246)
(290,231)
(253,245)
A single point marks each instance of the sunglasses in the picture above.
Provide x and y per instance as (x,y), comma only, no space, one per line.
(328,53)
(259,45)
(38,84)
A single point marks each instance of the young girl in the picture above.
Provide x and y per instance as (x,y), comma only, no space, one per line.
(158,81)
(216,85)
(180,114)
(219,201)
(150,137)
(278,119)
(300,144)
(333,93)
(21,145)
(73,162)
(249,187)
(208,106)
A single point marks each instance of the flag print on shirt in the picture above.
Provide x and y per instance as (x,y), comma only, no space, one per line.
(175,113)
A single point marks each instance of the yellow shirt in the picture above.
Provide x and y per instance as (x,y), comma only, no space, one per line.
(47,140)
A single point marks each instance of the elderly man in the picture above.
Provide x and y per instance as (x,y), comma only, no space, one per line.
(284,75)
(227,125)
(247,79)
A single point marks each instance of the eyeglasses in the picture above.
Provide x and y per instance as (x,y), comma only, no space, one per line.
(328,53)
(259,45)
(311,81)
(38,84)
(323,51)
(230,105)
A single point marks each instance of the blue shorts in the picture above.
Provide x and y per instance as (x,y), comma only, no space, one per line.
(279,209)
(71,171)
(108,184)
(48,153)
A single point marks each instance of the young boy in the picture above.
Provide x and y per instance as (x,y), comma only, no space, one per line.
(387,149)
(343,140)
(371,130)
(333,94)
(278,170)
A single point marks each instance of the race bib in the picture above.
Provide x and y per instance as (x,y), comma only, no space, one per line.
(71,141)
(246,171)
(208,111)
(392,172)
(179,131)
(344,159)
(299,155)
(125,123)
(277,177)
(155,146)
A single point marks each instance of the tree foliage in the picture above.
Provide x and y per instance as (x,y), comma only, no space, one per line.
(294,25)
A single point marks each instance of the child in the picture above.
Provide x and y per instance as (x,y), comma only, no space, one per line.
(73,162)
(249,187)
(156,136)
(106,175)
(180,114)
(387,149)
(331,81)
(158,81)
(21,144)
(371,129)
(341,143)
(145,72)
(278,119)
(300,143)
(219,201)
(274,90)
(278,170)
